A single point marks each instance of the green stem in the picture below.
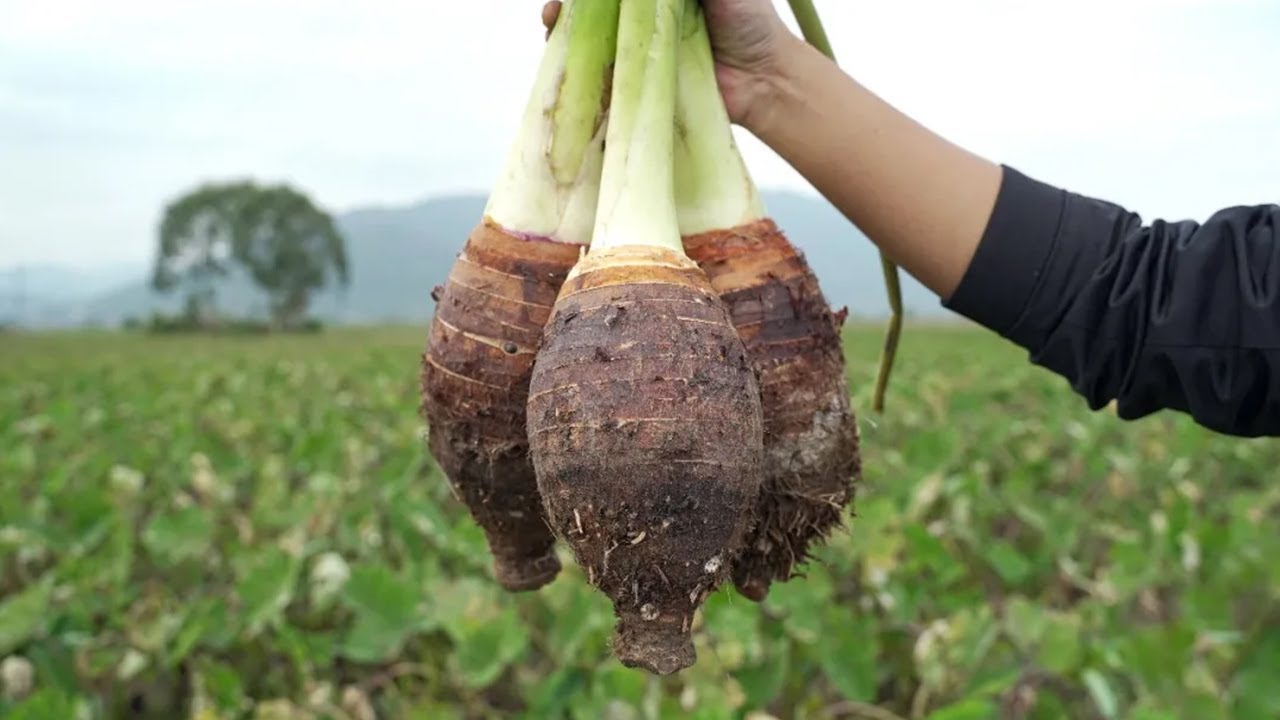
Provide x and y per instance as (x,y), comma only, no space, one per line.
(551,181)
(593,40)
(713,187)
(637,189)
(816,35)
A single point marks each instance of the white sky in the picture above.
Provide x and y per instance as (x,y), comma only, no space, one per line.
(109,109)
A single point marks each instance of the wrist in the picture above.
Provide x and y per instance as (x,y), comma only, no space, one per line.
(775,87)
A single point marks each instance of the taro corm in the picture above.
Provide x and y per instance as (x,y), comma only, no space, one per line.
(490,313)
(645,422)
(811,441)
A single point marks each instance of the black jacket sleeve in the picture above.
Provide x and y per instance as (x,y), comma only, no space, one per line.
(1165,315)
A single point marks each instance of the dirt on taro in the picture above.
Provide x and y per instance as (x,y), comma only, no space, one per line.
(252,528)
(484,336)
(646,431)
(792,339)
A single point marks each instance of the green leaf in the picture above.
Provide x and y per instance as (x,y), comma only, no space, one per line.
(991,680)
(1207,606)
(462,602)
(387,611)
(1049,705)
(55,666)
(847,651)
(486,647)
(712,705)
(152,630)
(616,682)
(1159,655)
(1206,706)
(1254,685)
(1151,714)
(47,704)
(1060,650)
(467,543)
(426,518)
(1008,563)
(201,621)
(221,627)
(556,693)
(803,603)
(1133,567)
(1025,622)
(315,649)
(734,625)
(89,513)
(376,590)
(617,693)
(763,683)
(580,614)
(223,687)
(266,588)
(927,551)
(972,709)
(179,535)
(1100,691)
(23,616)
(372,640)
(430,709)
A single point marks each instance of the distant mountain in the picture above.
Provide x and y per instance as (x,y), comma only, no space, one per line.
(398,254)
(55,283)
(44,295)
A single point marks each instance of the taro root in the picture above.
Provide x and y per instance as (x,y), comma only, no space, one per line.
(490,312)
(475,379)
(644,413)
(811,441)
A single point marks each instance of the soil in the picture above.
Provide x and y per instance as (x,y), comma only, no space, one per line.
(484,337)
(792,337)
(646,431)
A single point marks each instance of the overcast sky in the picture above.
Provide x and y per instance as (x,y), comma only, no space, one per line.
(109,109)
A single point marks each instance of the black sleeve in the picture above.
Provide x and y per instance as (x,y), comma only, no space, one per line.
(1165,315)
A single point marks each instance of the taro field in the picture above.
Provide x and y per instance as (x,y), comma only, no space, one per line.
(219,528)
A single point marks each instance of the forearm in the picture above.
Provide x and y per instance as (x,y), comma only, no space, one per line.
(924,201)
(1182,316)
(1152,316)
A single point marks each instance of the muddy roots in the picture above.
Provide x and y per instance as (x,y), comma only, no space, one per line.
(646,430)
(812,458)
(475,378)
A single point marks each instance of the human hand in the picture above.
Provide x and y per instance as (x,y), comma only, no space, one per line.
(747,37)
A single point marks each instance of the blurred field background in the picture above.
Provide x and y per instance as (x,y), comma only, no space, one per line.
(249,527)
(202,518)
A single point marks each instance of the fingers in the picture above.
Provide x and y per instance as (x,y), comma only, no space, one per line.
(550,13)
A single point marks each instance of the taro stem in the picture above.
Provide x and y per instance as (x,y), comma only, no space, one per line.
(814,33)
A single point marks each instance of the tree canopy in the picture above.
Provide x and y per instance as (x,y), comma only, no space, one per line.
(286,244)
(196,239)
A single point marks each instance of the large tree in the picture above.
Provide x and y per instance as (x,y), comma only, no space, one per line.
(276,234)
(196,242)
(291,248)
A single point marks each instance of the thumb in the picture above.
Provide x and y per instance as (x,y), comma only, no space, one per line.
(550,13)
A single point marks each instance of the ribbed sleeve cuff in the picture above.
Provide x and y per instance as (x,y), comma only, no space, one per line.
(1011,256)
